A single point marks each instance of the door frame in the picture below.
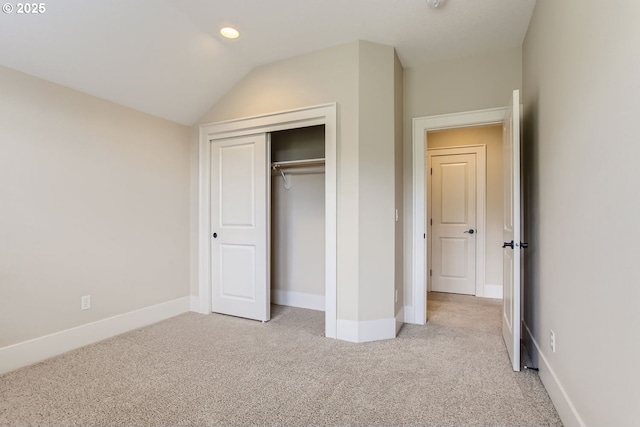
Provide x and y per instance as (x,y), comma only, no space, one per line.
(420,127)
(480,150)
(266,123)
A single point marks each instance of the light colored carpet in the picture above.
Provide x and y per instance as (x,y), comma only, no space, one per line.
(218,370)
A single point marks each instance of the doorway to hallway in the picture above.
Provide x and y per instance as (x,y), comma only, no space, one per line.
(464,210)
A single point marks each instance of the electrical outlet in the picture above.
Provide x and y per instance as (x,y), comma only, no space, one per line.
(552,341)
(85,302)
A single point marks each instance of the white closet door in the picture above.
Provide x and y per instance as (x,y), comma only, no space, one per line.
(239,244)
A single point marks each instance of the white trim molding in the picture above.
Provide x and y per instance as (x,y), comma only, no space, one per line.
(421,125)
(492,291)
(38,349)
(408,314)
(317,115)
(566,410)
(298,299)
(194,303)
(366,331)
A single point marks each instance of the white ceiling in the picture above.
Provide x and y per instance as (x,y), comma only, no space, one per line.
(166,57)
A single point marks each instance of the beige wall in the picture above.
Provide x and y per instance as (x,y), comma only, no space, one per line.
(467,84)
(581,90)
(298,234)
(94,201)
(376,164)
(359,77)
(491,137)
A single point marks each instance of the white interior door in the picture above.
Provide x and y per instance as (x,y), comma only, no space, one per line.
(511,231)
(453,210)
(239,244)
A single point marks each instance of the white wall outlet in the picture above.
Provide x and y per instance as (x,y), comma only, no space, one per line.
(85,302)
(552,341)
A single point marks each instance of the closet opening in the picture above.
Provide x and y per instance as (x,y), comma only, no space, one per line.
(297,218)
(235,215)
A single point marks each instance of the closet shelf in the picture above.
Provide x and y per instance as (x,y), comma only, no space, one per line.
(297,163)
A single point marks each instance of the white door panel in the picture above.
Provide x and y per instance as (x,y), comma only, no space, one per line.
(239,245)
(238,281)
(453,185)
(511,231)
(455,264)
(237,185)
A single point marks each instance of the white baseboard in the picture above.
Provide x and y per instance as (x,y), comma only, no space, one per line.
(298,299)
(194,304)
(492,291)
(568,413)
(369,330)
(38,349)
(399,320)
(409,314)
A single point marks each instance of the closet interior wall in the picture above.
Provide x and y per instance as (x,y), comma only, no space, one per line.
(298,220)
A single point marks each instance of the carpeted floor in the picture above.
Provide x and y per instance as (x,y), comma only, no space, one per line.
(202,370)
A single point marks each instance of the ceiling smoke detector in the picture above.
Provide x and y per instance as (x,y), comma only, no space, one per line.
(435,3)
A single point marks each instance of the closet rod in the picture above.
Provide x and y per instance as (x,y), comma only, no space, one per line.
(294,163)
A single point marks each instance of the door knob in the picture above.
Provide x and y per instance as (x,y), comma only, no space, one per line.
(470,231)
(215,235)
(509,244)
(524,245)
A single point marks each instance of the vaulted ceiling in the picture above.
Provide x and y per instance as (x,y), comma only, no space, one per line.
(167,58)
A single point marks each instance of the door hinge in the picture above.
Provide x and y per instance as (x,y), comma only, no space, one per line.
(430,272)
(431,171)
(424,236)
(431,222)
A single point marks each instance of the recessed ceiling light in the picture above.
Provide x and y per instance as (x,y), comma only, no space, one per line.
(229,33)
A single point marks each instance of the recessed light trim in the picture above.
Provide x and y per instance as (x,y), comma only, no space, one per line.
(229,33)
